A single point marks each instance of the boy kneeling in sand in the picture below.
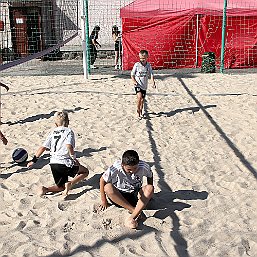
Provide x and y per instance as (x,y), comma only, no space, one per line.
(63,162)
(122,183)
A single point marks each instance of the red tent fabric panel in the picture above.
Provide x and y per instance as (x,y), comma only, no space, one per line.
(168,41)
(1,25)
(170,37)
(241,41)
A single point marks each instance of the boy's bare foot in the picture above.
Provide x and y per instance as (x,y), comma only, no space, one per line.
(130,223)
(68,186)
(138,113)
(42,191)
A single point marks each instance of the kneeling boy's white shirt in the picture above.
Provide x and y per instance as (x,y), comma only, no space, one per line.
(56,142)
(124,181)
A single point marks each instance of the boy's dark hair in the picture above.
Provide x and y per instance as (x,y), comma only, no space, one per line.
(144,52)
(130,157)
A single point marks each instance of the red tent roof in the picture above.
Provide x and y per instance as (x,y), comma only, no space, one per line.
(153,8)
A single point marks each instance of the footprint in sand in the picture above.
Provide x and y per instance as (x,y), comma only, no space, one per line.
(107,223)
(24,203)
(68,226)
(63,206)
(21,225)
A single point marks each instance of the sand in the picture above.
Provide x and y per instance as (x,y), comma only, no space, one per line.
(199,137)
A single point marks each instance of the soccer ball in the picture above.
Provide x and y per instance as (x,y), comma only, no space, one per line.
(20,155)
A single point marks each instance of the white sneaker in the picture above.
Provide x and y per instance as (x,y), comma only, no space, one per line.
(116,67)
(93,67)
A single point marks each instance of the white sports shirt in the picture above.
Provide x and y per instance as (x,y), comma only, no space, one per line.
(141,74)
(56,142)
(124,181)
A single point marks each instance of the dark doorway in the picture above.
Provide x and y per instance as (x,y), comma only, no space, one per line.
(26,30)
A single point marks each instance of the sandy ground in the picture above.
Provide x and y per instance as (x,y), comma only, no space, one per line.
(199,137)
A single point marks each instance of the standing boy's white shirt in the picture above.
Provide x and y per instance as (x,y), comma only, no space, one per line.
(56,142)
(141,74)
(124,181)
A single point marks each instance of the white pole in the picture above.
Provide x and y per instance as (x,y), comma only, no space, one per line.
(84,45)
(196,40)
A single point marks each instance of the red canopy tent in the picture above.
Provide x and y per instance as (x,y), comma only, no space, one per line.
(177,32)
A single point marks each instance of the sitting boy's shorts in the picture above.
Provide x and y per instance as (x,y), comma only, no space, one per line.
(140,90)
(132,198)
(61,172)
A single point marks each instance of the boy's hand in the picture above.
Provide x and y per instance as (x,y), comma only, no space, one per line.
(76,162)
(103,206)
(29,164)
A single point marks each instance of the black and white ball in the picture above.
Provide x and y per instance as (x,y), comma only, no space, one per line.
(20,155)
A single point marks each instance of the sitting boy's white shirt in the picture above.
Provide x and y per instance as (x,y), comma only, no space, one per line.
(56,142)
(124,181)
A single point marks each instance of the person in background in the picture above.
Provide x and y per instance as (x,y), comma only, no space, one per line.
(93,45)
(116,35)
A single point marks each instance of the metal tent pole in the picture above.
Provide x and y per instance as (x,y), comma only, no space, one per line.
(223,40)
(85,40)
(196,40)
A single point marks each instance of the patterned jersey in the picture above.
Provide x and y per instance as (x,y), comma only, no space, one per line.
(56,142)
(124,181)
(141,74)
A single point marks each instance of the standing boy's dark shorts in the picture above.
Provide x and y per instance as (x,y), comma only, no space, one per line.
(132,198)
(139,89)
(61,173)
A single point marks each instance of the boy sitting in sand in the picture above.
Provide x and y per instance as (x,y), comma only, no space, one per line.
(63,162)
(139,76)
(122,183)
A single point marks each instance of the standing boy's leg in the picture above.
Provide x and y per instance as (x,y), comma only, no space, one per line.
(140,102)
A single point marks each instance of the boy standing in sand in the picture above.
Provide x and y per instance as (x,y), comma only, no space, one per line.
(139,76)
(63,162)
(122,183)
